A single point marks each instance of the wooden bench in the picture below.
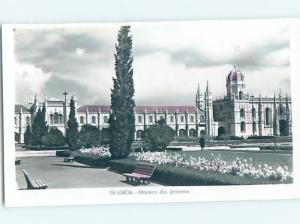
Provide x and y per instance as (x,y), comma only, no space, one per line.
(33,185)
(141,174)
(70,159)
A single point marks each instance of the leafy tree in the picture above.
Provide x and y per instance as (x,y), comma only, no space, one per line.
(54,138)
(39,128)
(89,136)
(104,136)
(159,136)
(72,129)
(122,120)
(27,135)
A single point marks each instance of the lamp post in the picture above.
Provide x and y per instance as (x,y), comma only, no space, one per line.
(65,111)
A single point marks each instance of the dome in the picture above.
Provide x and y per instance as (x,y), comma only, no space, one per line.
(235,75)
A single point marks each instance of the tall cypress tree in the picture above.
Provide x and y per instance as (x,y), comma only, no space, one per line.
(72,130)
(27,136)
(122,120)
(39,128)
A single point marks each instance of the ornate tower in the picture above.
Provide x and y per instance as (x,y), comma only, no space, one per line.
(275,118)
(235,84)
(199,99)
(208,111)
(260,125)
(288,131)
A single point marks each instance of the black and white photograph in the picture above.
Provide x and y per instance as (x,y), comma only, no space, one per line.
(149,109)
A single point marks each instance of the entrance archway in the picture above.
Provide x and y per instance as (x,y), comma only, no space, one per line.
(139,134)
(192,133)
(283,128)
(221,131)
(202,133)
(181,133)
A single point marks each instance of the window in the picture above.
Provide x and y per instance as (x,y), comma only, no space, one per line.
(51,118)
(268,116)
(140,119)
(105,119)
(150,119)
(27,120)
(192,118)
(93,119)
(56,118)
(241,95)
(242,113)
(172,119)
(181,118)
(253,112)
(15,121)
(81,120)
(161,117)
(243,126)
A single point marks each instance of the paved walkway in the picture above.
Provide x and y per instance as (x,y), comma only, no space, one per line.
(59,174)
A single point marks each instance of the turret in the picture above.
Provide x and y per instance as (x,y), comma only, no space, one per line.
(235,84)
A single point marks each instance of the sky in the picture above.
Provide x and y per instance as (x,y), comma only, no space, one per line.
(170,59)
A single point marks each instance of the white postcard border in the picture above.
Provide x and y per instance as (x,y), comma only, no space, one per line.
(81,196)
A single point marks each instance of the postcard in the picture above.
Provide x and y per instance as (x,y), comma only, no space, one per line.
(151,112)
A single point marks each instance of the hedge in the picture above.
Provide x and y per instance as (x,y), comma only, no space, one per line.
(31,147)
(92,161)
(179,176)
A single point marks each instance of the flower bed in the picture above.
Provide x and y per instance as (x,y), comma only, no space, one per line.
(98,157)
(242,168)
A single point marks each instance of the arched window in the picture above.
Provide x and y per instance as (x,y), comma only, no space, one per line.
(81,120)
(268,116)
(150,119)
(51,119)
(181,133)
(241,95)
(242,113)
(27,120)
(139,134)
(61,118)
(181,118)
(15,121)
(253,112)
(56,118)
(93,119)
(172,119)
(140,119)
(105,119)
(161,117)
(243,126)
(192,133)
(192,118)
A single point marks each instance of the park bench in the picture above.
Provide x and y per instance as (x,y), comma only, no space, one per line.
(71,158)
(37,184)
(141,174)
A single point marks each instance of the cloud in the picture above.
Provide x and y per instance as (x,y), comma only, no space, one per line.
(169,58)
(26,75)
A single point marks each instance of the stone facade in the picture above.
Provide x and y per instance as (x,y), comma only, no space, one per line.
(237,114)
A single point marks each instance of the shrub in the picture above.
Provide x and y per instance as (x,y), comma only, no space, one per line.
(261,137)
(202,142)
(63,153)
(54,138)
(159,135)
(89,136)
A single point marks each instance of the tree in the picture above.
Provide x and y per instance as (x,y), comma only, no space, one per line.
(54,138)
(27,135)
(122,120)
(89,136)
(159,136)
(202,142)
(72,129)
(39,128)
